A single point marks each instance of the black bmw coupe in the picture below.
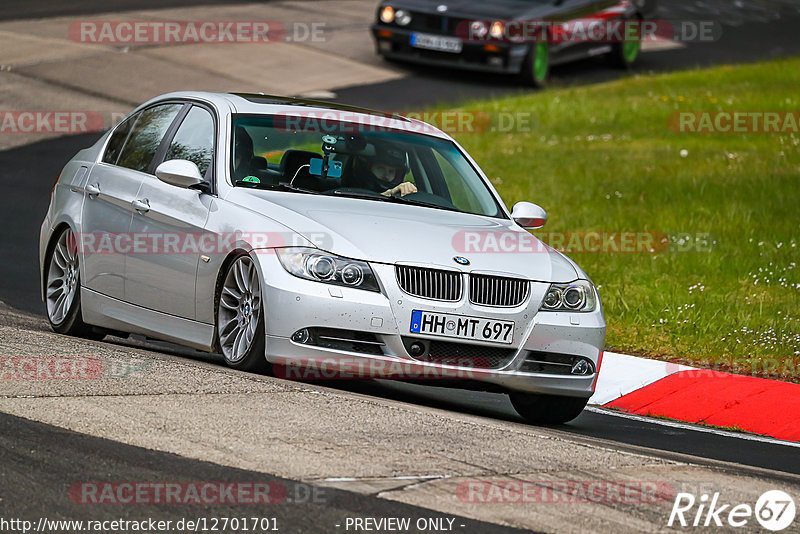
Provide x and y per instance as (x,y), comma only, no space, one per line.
(524,37)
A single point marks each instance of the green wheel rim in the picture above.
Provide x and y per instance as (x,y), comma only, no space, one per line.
(631,47)
(541,60)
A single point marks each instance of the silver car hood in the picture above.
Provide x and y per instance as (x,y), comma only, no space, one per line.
(390,233)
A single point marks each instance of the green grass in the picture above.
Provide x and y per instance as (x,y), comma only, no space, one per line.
(603,158)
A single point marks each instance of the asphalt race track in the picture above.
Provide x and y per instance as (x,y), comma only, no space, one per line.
(53,456)
(57,456)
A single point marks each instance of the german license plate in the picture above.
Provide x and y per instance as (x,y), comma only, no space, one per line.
(462,327)
(436,42)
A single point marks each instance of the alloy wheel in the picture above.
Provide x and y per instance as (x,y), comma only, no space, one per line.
(239,309)
(62,278)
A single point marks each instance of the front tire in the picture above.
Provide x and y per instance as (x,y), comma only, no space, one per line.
(240,317)
(63,289)
(536,67)
(547,409)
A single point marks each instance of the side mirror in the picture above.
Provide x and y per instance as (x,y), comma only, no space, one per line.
(528,215)
(180,173)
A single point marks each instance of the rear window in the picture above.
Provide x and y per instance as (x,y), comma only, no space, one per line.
(117,140)
(147,135)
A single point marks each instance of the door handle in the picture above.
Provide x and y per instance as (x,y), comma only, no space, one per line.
(141,205)
(93,190)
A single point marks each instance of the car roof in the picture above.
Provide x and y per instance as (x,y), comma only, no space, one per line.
(259,103)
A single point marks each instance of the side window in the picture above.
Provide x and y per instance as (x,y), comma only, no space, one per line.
(147,135)
(114,145)
(194,140)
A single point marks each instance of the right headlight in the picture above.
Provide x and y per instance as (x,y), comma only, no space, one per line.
(319,266)
(577,296)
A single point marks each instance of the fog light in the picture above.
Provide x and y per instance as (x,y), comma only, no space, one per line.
(581,367)
(302,336)
(416,349)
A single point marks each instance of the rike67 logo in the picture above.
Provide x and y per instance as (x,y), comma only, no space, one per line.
(774,510)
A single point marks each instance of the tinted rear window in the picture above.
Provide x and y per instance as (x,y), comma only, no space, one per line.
(114,146)
(147,135)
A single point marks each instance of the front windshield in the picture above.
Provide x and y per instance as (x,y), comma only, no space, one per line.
(343,159)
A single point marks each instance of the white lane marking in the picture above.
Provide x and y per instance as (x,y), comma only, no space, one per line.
(405,477)
(659,45)
(696,428)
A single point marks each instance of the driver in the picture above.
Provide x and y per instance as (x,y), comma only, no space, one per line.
(383,173)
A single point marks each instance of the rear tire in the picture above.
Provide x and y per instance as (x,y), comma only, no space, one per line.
(623,55)
(240,317)
(536,67)
(63,289)
(547,409)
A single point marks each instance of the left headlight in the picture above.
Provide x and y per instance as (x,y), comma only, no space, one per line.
(387,14)
(319,266)
(577,296)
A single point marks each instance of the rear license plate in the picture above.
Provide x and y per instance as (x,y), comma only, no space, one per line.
(436,42)
(463,327)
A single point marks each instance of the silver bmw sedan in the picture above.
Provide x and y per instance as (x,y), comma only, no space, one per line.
(317,241)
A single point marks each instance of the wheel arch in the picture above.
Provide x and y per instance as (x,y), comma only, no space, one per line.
(51,242)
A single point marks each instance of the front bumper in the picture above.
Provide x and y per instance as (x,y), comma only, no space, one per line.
(292,304)
(394,43)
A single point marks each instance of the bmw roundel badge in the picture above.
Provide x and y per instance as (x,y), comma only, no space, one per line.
(461,260)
